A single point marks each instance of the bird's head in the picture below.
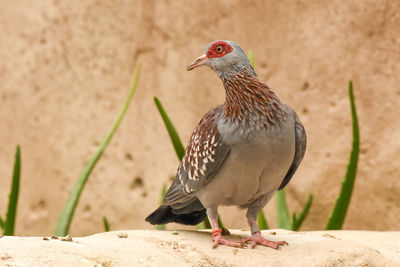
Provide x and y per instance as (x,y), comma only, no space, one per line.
(224,57)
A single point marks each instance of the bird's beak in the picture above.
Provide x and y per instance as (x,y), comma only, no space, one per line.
(198,62)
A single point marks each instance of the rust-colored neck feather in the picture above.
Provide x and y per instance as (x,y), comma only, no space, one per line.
(249,102)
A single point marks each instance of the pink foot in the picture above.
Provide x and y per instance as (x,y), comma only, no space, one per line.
(257,238)
(219,239)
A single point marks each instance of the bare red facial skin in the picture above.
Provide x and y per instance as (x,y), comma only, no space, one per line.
(219,49)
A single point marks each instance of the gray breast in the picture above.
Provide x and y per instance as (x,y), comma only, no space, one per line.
(256,165)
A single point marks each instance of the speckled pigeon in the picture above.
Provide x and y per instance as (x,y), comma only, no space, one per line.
(240,153)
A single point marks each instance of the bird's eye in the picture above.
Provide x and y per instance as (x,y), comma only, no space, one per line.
(219,49)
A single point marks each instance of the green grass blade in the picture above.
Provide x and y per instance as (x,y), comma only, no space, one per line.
(282,210)
(9,223)
(250,56)
(65,219)
(163,191)
(1,223)
(204,224)
(261,221)
(338,215)
(106,224)
(207,224)
(200,226)
(176,141)
(294,221)
(297,222)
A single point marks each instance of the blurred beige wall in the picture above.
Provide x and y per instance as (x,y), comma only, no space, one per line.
(65,68)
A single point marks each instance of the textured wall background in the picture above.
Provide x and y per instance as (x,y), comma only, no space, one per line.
(66,66)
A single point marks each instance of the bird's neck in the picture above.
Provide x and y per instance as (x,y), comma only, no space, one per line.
(251,103)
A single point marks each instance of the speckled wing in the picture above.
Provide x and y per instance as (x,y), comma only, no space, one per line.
(205,154)
(301,143)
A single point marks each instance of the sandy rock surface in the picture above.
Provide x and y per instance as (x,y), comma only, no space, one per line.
(193,248)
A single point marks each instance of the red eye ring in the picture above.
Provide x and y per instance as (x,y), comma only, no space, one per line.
(219,49)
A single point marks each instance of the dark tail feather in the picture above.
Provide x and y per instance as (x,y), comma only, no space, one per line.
(165,214)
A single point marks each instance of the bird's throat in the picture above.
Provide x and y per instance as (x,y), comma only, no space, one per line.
(251,103)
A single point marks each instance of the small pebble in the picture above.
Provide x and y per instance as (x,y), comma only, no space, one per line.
(54,237)
(174,233)
(123,235)
(235,251)
(5,257)
(328,235)
(68,238)
(46,238)
(272,233)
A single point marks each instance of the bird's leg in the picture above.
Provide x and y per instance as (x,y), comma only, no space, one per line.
(216,231)
(256,237)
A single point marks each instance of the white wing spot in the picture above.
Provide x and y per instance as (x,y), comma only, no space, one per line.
(190,175)
(202,170)
(187,188)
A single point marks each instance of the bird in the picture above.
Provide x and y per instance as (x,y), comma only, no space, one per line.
(240,153)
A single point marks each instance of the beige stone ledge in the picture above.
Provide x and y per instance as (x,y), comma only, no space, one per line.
(191,248)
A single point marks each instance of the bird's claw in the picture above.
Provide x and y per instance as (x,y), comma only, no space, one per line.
(220,240)
(257,238)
